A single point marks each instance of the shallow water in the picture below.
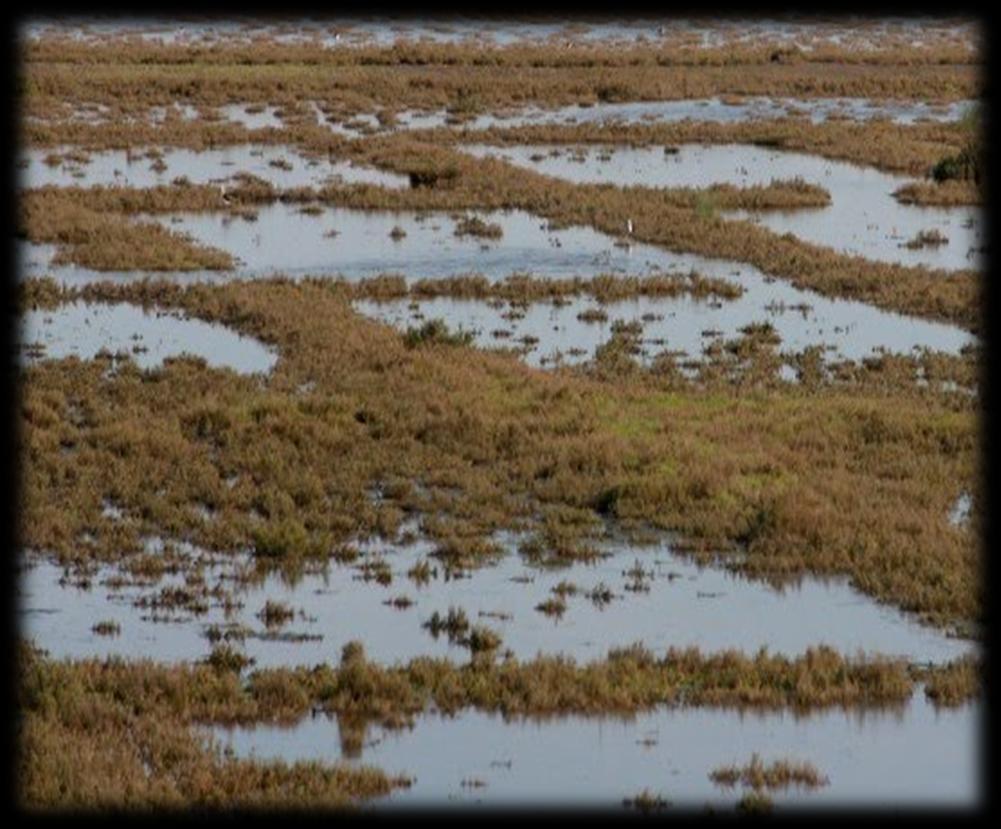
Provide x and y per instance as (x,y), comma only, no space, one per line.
(915,757)
(851,330)
(804,32)
(148,336)
(215,166)
(267,117)
(287,241)
(863,218)
(283,240)
(683,605)
(701,109)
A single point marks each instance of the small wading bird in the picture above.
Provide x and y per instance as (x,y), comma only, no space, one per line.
(629,226)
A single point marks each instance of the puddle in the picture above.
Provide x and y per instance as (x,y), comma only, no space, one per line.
(281,166)
(863,218)
(283,240)
(915,757)
(680,604)
(148,336)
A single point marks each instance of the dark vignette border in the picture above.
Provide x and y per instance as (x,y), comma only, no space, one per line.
(9,458)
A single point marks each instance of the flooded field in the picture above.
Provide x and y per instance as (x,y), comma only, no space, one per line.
(654,596)
(702,109)
(862,219)
(912,757)
(631,476)
(804,33)
(152,167)
(360,244)
(147,336)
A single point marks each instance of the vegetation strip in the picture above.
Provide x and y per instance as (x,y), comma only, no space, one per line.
(475,441)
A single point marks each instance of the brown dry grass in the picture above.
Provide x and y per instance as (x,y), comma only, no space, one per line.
(779,774)
(954,683)
(940,194)
(485,442)
(664,218)
(131,77)
(88,742)
(103,241)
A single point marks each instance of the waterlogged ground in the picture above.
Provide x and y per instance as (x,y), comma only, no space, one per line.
(148,336)
(801,33)
(551,333)
(862,219)
(701,109)
(655,597)
(279,166)
(357,244)
(914,757)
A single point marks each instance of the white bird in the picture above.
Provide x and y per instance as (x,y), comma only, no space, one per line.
(629,226)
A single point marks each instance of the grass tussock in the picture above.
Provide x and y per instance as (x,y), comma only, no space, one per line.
(779,774)
(944,194)
(954,683)
(475,226)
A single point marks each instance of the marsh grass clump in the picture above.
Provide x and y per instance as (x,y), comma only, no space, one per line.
(275,614)
(639,579)
(475,226)
(780,774)
(436,332)
(646,802)
(954,683)
(376,569)
(927,238)
(554,606)
(564,589)
(556,545)
(226,633)
(482,639)
(281,540)
(107,628)
(593,315)
(455,624)
(422,572)
(226,658)
(948,193)
(601,594)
